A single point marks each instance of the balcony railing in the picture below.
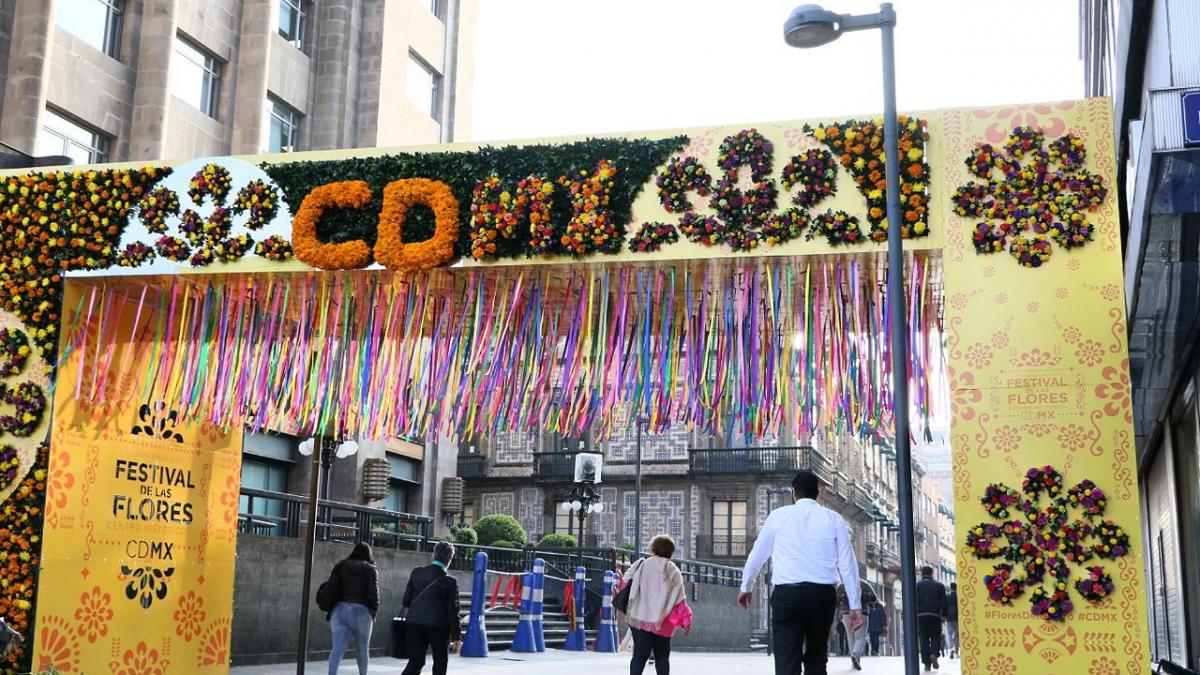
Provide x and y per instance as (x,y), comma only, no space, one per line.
(860,499)
(472,466)
(554,465)
(755,460)
(278,514)
(714,546)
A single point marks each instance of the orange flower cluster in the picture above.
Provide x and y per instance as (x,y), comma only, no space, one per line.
(400,196)
(20,530)
(859,146)
(497,213)
(592,228)
(58,221)
(350,255)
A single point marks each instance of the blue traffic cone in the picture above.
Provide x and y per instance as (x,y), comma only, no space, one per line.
(577,637)
(524,641)
(475,642)
(606,639)
(539,587)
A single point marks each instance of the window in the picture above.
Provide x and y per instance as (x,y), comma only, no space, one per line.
(424,86)
(97,22)
(262,474)
(196,77)
(565,522)
(61,136)
(285,128)
(729,528)
(293,18)
(404,479)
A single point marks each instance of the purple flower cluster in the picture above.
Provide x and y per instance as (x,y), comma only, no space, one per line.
(135,254)
(9,463)
(816,173)
(652,236)
(678,178)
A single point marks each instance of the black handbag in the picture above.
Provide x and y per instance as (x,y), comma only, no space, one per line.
(621,601)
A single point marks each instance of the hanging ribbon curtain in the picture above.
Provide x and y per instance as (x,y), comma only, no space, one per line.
(730,348)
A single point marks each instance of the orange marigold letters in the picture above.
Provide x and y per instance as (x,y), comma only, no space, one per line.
(350,255)
(398,197)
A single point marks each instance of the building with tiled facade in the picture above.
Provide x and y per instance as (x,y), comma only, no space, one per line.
(114,80)
(711,496)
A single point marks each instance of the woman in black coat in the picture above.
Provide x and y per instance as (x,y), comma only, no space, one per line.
(432,619)
(358,602)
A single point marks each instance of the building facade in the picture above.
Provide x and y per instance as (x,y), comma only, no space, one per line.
(114,80)
(1144,55)
(710,495)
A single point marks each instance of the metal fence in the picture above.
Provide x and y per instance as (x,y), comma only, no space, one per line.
(279,514)
(755,460)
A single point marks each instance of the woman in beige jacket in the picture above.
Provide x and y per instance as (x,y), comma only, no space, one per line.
(657,606)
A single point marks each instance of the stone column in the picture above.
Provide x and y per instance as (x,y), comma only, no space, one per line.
(152,92)
(28,68)
(253,62)
(335,56)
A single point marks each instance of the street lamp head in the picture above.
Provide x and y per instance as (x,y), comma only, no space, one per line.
(811,26)
(576,505)
(565,506)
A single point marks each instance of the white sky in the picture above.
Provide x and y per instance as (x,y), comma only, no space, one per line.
(570,67)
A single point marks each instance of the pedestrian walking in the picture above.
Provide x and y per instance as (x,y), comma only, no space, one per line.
(855,637)
(432,622)
(810,552)
(657,607)
(876,625)
(357,581)
(931,609)
(952,620)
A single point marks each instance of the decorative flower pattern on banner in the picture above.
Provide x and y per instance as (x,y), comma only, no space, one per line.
(59,646)
(1040,546)
(190,616)
(1035,196)
(142,660)
(157,421)
(94,614)
(214,646)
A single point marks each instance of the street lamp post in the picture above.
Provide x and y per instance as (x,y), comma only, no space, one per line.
(582,500)
(811,26)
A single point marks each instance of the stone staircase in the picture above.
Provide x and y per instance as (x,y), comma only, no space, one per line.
(502,624)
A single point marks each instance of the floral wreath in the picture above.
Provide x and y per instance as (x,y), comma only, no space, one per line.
(398,197)
(1031,206)
(260,200)
(998,499)
(1096,586)
(652,237)
(1089,497)
(14,350)
(1002,585)
(1040,548)
(1053,605)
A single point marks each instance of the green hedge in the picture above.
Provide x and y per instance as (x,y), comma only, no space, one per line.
(500,527)
(558,540)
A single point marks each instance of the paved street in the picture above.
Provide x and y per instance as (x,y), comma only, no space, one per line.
(555,662)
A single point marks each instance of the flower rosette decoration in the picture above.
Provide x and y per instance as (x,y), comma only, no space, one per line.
(211,181)
(785,226)
(134,254)
(260,201)
(172,248)
(28,404)
(838,227)
(702,229)
(652,237)
(14,351)
(1041,548)
(1052,605)
(859,148)
(999,499)
(1088,497)
(1112,541)
(274,248)
(1003,585)
(156,207)
(1095,586)
(1034,197)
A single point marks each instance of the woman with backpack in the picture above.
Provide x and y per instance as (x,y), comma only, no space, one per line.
(357,581)
(657,606)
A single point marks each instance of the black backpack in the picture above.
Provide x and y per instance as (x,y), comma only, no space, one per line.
(330,592)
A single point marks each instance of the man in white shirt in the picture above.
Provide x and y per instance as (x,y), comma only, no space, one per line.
(810,552)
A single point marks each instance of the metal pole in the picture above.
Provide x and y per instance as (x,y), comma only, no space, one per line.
(637,508)
(314,483)
(899,341)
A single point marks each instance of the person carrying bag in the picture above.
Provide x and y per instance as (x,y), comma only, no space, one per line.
(353,587)
(431,620)
(655,605)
